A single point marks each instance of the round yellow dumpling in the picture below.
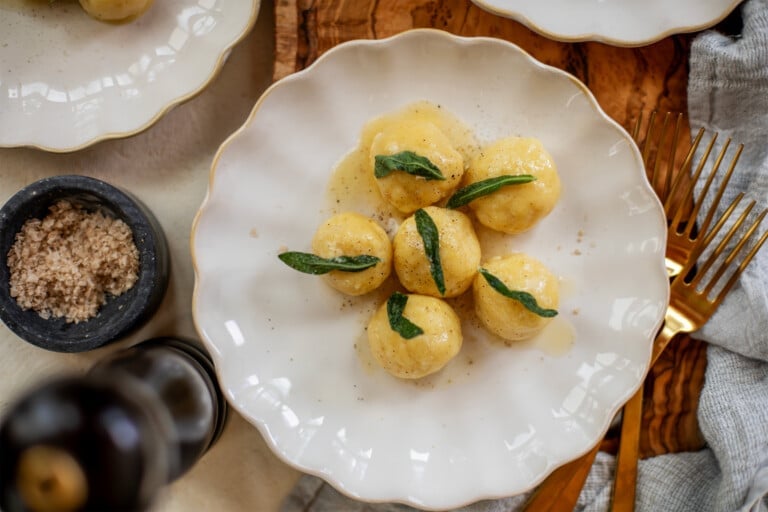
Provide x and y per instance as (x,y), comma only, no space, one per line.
(515,208)
(423,354)
(507,317)
(459,253)
(352,234)
(408,192)
(115,10)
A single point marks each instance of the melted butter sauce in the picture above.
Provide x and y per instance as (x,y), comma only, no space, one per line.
(567,287)
(556,339)
(352,187)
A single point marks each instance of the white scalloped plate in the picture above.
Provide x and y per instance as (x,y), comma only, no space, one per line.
(68,81)
(290,352)
(616,22)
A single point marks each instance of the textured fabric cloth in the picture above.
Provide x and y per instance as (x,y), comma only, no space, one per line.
(728,94)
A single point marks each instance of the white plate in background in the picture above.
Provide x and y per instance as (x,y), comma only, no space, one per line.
(615,22)
(68,80)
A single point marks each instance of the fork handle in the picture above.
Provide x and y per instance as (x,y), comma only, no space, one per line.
(560,491)
(562,488)
(625,484)
(662,340)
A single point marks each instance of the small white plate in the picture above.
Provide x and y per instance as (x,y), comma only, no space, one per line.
(290,351)
(68,81)
(615,22)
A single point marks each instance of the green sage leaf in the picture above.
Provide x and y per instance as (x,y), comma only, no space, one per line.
(429,235)
(524,298)
(401,325)
(406,161)
(482,188)
(316,265)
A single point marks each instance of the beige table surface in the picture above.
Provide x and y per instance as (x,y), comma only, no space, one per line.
(167,167)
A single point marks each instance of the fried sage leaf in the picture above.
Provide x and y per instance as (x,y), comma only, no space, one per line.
(524,298)
(406,161)
(315,265)
(482,188)
(401,325)
(429,235)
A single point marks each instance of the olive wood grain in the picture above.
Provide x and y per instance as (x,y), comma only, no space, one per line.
(625,81)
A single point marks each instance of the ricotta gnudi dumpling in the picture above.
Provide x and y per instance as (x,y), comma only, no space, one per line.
(407,192)
(424,354)
(507,317)
(352,234)
(459,253)
(515,208)
(115,10)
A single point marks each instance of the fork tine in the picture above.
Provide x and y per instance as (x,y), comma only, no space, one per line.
(734,252)
(748,258)
(673,146)
(723,184)
(677,219)
(722,246)
(704,268)
(684,171)
(648,135)
(703,242)
(660,171)
(636,129)
(654,161)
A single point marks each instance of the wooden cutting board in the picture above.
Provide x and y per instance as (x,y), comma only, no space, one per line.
(626,82)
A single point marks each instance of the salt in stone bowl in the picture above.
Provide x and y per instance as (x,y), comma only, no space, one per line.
(121,314)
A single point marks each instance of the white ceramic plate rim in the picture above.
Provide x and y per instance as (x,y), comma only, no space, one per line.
(267,430)
(181,92)
(525,12)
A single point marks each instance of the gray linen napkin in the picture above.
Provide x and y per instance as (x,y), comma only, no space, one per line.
(727,93)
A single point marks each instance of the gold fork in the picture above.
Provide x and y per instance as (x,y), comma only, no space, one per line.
(680,207)
(560,491)
(691,304)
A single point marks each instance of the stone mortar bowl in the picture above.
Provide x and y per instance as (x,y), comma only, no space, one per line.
(121,314)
